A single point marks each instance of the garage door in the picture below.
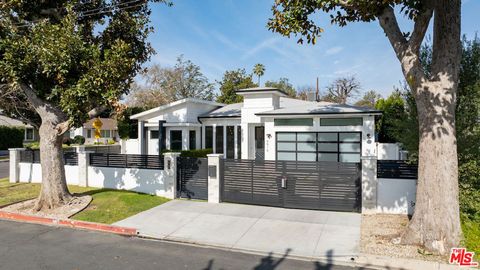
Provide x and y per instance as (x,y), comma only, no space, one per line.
(293,184)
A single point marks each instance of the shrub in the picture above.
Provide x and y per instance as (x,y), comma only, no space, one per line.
(11,137)
(197,153)
(66,141)
(111,141)
(79,139)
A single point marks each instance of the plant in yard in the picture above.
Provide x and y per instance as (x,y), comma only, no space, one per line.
(259,70)
(436,221)
(234,80)
(63,62)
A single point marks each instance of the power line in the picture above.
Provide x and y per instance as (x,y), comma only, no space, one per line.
(90,13)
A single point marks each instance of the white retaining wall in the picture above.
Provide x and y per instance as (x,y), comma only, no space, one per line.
(396,196)
(32,173)
(141,180)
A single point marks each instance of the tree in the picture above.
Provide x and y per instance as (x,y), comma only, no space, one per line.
(342,89)
(393,112)
(436,228)
(233,80)
(259,70)
(58,69)
(369,99)
(168,84)
(284,85)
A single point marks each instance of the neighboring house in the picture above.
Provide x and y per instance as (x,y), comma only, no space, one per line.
(267,125)
(108,131)
(31,133)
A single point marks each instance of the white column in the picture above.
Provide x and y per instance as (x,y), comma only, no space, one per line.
(170,167)
(245,141)
(15,164)
(203,137)
(141,139)
(185,138)
(214,139)
(214,186)
(224,141)
(83,163)
(235,141)
(369,184)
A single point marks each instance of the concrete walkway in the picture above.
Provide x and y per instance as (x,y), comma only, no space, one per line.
(303,233)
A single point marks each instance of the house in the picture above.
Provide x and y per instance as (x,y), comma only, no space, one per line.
(108,131)
(31,133)
(267,125)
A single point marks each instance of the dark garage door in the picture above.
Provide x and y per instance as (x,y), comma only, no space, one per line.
(305,185)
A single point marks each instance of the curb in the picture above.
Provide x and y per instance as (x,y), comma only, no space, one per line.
(69,223)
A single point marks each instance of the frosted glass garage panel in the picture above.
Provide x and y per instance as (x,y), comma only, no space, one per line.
(350,147)
(286,146)
(327,157)
(306,156)
(306,137)
(286,156)
(349,137)
(286,136)
(327,147)
(311,147)
(327,137)
(349,158)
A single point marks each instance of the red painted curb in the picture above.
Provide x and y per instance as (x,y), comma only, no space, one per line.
(69,223)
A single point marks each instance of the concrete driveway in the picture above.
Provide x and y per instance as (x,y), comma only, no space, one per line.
(303,233)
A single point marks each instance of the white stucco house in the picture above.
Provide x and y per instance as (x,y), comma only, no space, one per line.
(267,125)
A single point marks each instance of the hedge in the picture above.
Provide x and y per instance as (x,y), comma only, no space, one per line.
(198,153)
(11,137)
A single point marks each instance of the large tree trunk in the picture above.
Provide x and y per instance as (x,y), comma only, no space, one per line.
(54,191)
(436,221)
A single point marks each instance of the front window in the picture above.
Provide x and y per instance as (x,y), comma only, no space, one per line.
(29,134)
(105,133)
(354,121)
(219,139)
(175,140)
(209,137)
(319,146)
(293,122)
(193,140)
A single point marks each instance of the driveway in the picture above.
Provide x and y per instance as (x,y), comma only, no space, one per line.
(260,229)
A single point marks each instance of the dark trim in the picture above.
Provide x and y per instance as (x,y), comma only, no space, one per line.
(260,91)
(214,116)
(318,113)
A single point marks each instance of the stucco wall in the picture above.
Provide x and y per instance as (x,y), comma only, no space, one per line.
(32,173)
(388,151)
(396,196)
(142,180)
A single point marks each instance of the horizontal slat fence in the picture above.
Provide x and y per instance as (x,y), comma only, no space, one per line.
(106,149)
(33,156)
(396,169)
(155,162)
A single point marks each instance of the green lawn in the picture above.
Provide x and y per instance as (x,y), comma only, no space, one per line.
(108,206)
(471,233)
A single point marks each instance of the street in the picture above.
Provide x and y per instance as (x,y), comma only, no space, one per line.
(30,246)
(4,169)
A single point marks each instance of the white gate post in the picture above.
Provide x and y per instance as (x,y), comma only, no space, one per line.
(83,163)
(369,184)
(15,164)
(170,167)
(214,175)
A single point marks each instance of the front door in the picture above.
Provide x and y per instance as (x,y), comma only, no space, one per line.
(260,143)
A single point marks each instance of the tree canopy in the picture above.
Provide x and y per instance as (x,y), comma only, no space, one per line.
(284,85)
(234,80)
(369,99)
(167,84)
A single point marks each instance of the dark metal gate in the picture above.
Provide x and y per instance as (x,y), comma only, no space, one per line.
(332,186)
(192,178)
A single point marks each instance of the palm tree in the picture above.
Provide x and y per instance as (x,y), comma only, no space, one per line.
(259,70)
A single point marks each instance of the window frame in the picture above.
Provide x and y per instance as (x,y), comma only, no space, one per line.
(317,143)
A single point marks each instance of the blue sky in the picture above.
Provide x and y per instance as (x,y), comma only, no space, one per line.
(220,35)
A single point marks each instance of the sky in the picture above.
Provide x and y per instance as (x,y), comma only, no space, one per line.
(220,35)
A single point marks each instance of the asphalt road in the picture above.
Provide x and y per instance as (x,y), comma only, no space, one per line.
(29,246)
(4,167)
